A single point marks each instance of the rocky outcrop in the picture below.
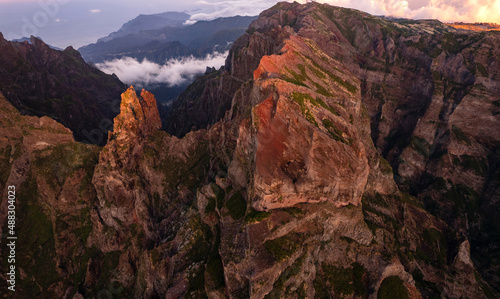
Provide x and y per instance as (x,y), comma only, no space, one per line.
(430,92)
(23,135)
(137,121)
(321,50)
(146,183)
(305,148)
(41,81)
(138,116)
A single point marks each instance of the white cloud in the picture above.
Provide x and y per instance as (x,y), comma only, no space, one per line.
(173,72)
(216,9)
(444,10)
(95,10)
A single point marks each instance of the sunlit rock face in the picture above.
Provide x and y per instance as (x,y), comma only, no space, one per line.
(306,144)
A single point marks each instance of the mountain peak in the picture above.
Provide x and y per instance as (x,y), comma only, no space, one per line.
(138,118)
(36,41)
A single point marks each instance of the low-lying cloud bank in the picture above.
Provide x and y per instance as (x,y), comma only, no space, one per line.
(173,72)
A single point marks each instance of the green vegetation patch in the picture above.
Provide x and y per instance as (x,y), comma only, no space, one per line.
(351,88)
(436,76)
(215,269)
(256,216)
(320,70)
(293,211)
(369,204)
(434,247)
(283,247)
(376,199)
(385,167)
(317,72)
(420,45)
(197,249)
(476,164)
(392,287)
(346,281)
(109,263)
(188,173)
(420,145)
(297,79)
(488,291)
(439,184)
(460,135)
(196,283)
(482,70)
(322,90)
(341,281)
(409,199)
(334,132)
(236,206)
(432,291)
(36,241)
(289,272)
(5,155)
(300,98)
(210,207)
(83,231)
(57,163)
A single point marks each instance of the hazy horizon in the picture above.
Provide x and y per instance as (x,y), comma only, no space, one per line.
(62,23)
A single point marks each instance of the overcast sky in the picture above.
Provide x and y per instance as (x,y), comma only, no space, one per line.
(79,22)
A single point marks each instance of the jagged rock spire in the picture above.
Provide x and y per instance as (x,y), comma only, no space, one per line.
(139,116)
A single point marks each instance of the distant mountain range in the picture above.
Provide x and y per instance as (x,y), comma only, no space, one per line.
(148,22)
(164,36)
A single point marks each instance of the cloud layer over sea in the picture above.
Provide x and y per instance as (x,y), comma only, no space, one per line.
(173,72)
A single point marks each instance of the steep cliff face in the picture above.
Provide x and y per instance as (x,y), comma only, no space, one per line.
(138,119)
(331,63)
(42,81)
(299,117)
(146,184)
(431,95)
(285,191)
(52,177)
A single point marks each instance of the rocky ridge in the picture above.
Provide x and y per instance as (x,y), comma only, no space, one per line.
(41,81)
(475,26)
